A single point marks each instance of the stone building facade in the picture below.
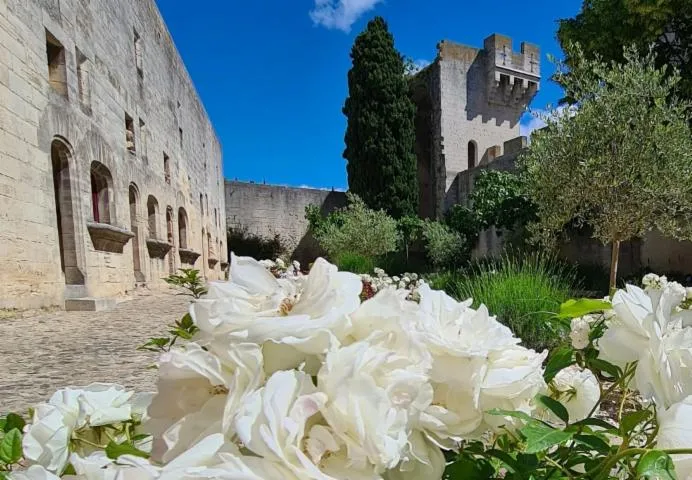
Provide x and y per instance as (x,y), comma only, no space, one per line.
(110,170)
(469,102)
(270,210)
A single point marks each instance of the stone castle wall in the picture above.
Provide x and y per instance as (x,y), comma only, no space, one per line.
(469,101)
(97,108)
(654,252)
(269,210)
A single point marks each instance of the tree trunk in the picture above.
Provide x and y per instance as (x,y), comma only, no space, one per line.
(614,257)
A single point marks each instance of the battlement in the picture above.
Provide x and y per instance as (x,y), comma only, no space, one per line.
(513,78)
(500,55)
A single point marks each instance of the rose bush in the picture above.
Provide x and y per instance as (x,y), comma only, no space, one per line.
(292,376)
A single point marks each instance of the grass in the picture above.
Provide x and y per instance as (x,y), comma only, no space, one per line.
(523,292)
(355,262)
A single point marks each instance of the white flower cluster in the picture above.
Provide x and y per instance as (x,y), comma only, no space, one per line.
(295,378)
(580,330)
(650,327)
(651,281)
(71,417)
(281,269)
(410,282)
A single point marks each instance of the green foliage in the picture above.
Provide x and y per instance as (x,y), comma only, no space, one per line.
(11,427)
(524,292)
(380,136)
(464,221)
(605,27)
(188,279)
(592,448)
(621,163)
(500,198)
(245,244)
(114,450)
(355,229)
(184,328)
(354,262)
(443,246)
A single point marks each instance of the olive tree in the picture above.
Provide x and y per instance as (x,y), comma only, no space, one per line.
(619,159)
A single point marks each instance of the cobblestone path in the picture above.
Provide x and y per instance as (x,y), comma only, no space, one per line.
(46,351)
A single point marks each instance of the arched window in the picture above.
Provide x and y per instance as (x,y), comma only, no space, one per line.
(101,193)
(152,215)
(216,222)
(201,204)
(472,154)
(182,227)
(134,227)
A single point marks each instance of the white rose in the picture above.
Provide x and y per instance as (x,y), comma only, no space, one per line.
(98,466)
(579,334)
(628,330)
(296,320)
(578,391)
(47,438)
(663,370)
(34,472)
(675,431)
(367,384)
(424,461)
(199,392)
(271,422)
(513,378)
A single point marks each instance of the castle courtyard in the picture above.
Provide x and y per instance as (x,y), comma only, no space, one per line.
(45,351)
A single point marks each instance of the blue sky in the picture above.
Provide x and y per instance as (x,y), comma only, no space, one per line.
(272,73)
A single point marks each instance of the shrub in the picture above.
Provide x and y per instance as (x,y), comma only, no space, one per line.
(355,229)
(246,244)
(524,293)
(444,247)
(354,262)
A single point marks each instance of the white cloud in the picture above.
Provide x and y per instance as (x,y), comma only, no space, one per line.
(536,119)
(340,14)
(528,126)
(416,66)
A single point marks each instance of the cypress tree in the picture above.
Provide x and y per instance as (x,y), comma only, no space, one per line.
(380,136)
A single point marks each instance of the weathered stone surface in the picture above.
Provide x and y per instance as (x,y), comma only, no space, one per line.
(108,238)
(269,210)
(89,304)
(53,350)
(99,87)
(469,103)
(188,257)
(158,248)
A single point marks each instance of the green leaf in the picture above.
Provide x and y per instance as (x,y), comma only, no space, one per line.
(510,413)
(468,468)
(560,358)
(11,446)
(631,420)
(13,421)
(583,306)
(4,476)
(540,437)
(656,465)
(511,464)
(594,442)
(603,366)
(594,422)
(114,450)
(554,406)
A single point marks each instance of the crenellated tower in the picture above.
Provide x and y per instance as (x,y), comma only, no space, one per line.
(469,101)
(512,78)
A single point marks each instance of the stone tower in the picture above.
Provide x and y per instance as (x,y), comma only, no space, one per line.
(469,103)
